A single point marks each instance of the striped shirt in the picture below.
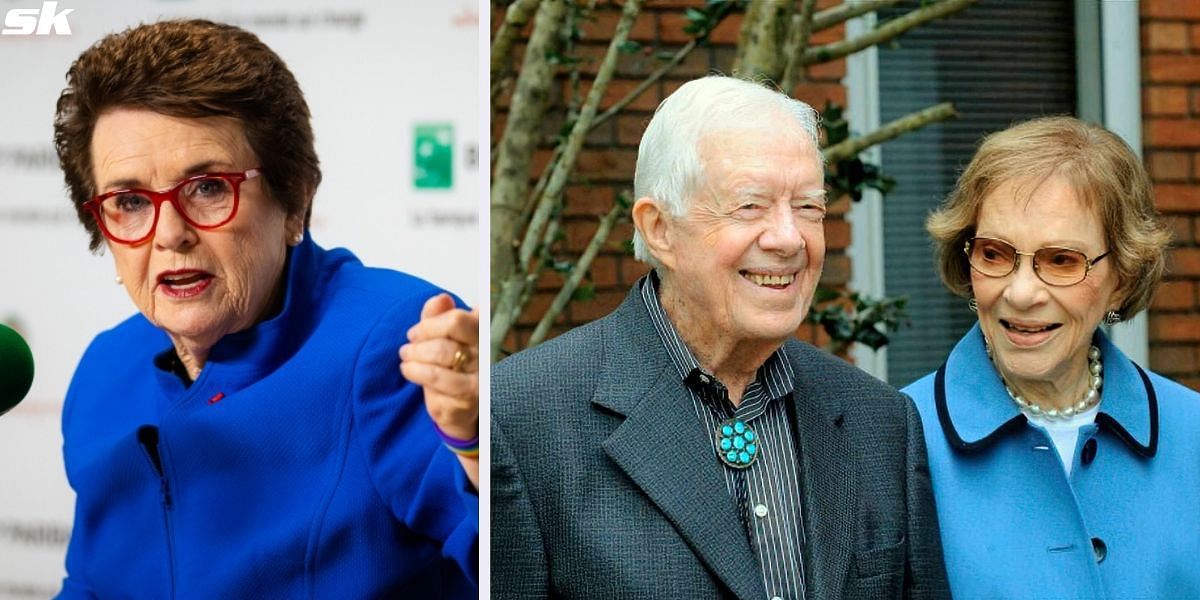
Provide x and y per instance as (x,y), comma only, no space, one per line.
(767,493)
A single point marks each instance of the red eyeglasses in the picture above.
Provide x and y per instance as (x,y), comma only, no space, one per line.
(207,201)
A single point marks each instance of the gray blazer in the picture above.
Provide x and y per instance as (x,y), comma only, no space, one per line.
(605,485)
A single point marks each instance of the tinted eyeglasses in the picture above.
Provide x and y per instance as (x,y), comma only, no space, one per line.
(208,201)
(1055,266)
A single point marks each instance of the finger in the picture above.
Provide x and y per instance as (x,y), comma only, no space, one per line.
(441,352)
(457,324)
(459,389)
(437,305)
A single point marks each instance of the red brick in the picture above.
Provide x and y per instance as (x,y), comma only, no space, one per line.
(632,270)
(1184,262)
(837,270)
(549,279)
(1172,68)
(1196,164)
(1165,100)
(615,164)
(838,206)
(1174,197)
(630,127)
(622,232)
(603,25)
(728,31)
(1175,328)
(837,234)
(1171,9)
(538,303)
(579,233)
(604,271)
(1173,359)
(1169,166)
(1195,37)
(671,24)
(1159,36)
(541,158)
(619,88)
(695,64)
(817,94)
(1172,133)
(588,200)
(1175,295)
(832,71)
(828,36)
(1181,228)
(601,304)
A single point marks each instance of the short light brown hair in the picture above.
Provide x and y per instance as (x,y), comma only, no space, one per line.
(1105,174)
(190,69)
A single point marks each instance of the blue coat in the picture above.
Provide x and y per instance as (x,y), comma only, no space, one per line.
(1126,524)
(300,464)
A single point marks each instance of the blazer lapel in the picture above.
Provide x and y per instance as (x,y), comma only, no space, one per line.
(829,491)
(663,448)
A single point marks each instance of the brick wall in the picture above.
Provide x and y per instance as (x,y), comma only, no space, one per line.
(605,168)
(1171,143)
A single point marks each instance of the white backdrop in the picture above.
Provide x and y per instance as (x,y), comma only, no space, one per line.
(373,73)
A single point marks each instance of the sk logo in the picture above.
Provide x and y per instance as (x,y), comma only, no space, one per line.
(37,21)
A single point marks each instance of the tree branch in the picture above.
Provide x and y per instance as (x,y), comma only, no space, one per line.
(515,18)
(514,153)
(558,179)
(577,272)
(758,52)
(846,11)
(912,122)
(650,80)
(793,47)
(884,32)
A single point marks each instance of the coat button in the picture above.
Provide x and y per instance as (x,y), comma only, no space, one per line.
(1089,451)
(1099,549)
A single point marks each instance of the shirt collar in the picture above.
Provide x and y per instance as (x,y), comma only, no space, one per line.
(975,410)
(775,374)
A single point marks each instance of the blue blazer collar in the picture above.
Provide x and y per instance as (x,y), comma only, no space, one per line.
(974,409)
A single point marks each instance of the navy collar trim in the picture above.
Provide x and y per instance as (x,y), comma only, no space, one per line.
(1104,419)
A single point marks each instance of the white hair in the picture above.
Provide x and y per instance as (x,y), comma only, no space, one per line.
(669,169)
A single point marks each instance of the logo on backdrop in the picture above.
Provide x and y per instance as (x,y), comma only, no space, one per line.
(46,20)
(433,156)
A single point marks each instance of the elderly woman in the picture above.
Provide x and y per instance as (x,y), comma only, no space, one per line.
(1060,468)
(249,434)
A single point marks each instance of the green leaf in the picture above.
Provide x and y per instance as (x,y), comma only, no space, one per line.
(585,291)
(630,47)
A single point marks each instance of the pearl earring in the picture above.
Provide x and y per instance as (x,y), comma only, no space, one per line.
(117,280)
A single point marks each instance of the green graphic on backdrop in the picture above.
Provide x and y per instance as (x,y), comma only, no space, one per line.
(433,156)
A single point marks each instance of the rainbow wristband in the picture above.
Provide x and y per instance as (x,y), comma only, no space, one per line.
(468,448)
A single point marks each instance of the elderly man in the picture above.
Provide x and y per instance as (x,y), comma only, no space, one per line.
(686,446)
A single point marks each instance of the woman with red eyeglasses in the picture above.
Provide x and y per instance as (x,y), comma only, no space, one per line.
(1060,468)
(250,433)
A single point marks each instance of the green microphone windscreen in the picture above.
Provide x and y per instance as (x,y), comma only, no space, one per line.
(16,369)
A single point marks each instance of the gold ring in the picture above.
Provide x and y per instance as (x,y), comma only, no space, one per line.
(460,359)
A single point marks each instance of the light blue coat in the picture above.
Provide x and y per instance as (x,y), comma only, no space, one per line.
(1014,526)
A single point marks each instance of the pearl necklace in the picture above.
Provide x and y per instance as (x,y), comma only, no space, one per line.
(1090,398)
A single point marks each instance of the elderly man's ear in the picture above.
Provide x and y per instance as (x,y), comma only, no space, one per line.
(652,222)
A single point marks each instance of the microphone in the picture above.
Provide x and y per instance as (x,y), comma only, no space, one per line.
(16,369)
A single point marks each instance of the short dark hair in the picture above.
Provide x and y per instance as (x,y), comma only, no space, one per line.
(190,69)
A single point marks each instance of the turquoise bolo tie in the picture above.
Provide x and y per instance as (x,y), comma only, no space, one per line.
(737,444)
